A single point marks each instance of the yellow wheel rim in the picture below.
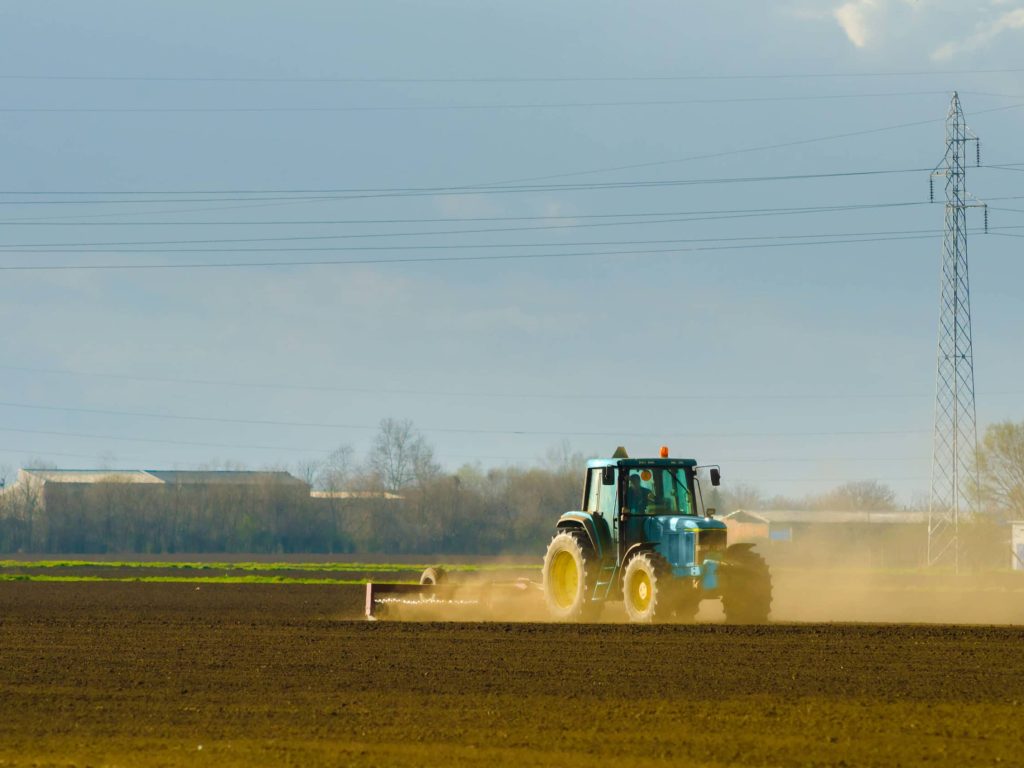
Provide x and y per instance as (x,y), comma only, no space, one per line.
(640,591)
(565,579)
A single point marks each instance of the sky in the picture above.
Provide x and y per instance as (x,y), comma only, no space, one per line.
(544,224)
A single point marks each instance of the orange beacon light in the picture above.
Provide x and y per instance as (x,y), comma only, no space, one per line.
(664,451)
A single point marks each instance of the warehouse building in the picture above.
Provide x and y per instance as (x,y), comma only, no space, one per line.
(868,539)
(97,510)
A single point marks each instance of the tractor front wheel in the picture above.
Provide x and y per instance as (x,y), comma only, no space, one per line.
(746,585)
(647,588)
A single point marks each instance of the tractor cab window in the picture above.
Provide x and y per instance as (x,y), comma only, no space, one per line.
(607,502)
(593,489)
(606,496)
(659,491)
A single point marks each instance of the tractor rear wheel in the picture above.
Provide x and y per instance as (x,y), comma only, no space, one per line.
(746,585)
(648,588)
(685,603)
(570,574)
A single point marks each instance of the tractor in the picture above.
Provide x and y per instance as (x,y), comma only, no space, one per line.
(643,536)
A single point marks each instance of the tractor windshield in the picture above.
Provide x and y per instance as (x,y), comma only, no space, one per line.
(659,491)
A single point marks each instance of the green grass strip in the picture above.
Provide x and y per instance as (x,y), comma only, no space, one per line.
(258,567)
(186,579)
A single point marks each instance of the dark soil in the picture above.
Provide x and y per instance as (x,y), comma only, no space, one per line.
(168,674)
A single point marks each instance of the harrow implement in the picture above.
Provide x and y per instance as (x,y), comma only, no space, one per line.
(436,596)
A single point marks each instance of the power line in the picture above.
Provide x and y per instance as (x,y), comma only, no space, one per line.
(443,259)
(540,460)
(638,216)
(684,219)
(103,247)
(61,221)
(498,188)
(161,442)
(817,459)
(468,431)
(513,79)
(492,187)
(467,107)
(833,479)
(635,218)
(747,150)
(301,195)
(217,419)
(462,394)
(123,214)
(776,460)
(37,452)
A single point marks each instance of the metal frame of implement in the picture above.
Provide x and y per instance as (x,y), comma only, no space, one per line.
(448,594)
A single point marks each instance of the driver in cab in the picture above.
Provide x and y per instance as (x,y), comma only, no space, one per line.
(637,497)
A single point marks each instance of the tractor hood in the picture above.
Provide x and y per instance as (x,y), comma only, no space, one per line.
(658,526)
(685,541)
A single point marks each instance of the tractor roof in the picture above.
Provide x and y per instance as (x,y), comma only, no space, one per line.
(629,463)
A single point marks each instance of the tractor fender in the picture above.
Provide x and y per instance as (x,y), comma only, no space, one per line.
(585,522)
(744,547)
(636,549)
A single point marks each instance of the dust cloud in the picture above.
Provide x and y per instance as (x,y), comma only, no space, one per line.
(841,580)
(894,597)
(875,574)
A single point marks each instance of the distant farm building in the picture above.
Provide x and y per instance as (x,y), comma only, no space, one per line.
(746,526)
(882,539)
(55,487)
(93,510)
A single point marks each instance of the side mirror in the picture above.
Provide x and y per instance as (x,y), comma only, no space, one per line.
(716,476)
(710,511)
(608,475)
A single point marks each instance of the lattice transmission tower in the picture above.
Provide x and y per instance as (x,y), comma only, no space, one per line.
(954,463)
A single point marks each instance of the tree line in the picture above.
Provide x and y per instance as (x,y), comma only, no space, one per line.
(396,499)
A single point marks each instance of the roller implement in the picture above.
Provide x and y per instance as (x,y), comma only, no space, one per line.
(439,596)
(645,538)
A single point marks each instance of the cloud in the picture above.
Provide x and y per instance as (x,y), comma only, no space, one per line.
(985,33)
(856,19)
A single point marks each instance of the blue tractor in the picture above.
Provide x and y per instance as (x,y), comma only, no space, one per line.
(644,537)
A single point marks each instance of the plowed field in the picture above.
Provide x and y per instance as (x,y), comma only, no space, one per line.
(168,674)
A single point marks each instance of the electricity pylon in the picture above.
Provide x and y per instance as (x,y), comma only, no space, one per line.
(954,492)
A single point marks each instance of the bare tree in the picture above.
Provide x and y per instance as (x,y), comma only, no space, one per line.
(868,495)
(739,496)
(26,501)
(338,470)
(309,470)
(400,455)
(563,459)
(1001,465)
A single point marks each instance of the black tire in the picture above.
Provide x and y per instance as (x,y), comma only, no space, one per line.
(569,576)
(433,575)
(746,586)
(685,604)
(648,589)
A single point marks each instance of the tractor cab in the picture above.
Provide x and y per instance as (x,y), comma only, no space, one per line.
(655,502)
